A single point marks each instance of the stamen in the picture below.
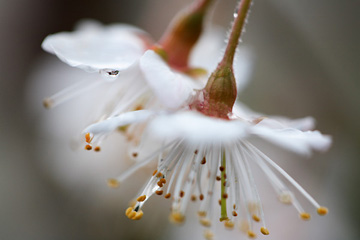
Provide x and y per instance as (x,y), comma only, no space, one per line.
(322,211)
(251,234)
(305,216)
(159,192)
(264,231)
(229,224)
(88,147)
(97,149)
(132,214)
(205,222)
(113,183)
(208,234)
(176,218)
(69,93)
(256,218)
(141,198)
(168,195)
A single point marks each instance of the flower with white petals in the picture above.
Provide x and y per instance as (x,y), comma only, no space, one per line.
(210,140)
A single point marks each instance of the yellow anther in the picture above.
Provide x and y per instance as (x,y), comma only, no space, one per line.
(229,224)
(255,218)
(201,197)
(251,234)
(176,218)
(244,226)
(48,103)
(88,147)
(141,198)
(88,138)
(113,183)
(154,172)
(208,235)
(97,149)
(168,195)
(285,198)
(305,216)
(159,192)
(131,214)
(205,222)
(264,230)
(202,213)
(322,211)
(193,198)
(159,175)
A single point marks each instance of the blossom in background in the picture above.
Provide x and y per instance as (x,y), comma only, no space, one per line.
(211,140)
(128,59)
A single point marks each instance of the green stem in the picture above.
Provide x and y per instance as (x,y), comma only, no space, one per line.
(236,31)
(223,189)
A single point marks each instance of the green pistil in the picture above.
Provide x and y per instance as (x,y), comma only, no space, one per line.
(223,189)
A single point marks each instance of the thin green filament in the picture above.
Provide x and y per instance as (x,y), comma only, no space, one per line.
(223,189)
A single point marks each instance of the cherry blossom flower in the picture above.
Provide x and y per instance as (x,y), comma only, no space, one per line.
(211,140)
(127,59)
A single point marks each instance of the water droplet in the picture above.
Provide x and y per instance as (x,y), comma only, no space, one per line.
(236,12)
(109,74)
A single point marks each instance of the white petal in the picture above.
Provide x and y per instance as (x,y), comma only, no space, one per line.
(294,139)
(93,47)
(244,112)
(197,128)
(171,88)
(113,123)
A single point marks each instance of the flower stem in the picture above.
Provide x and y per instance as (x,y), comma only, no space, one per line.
(236,31)
(223,189)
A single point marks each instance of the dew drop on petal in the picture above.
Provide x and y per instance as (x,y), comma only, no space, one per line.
(109,74)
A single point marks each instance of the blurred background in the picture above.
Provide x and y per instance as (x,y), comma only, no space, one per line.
(307,61)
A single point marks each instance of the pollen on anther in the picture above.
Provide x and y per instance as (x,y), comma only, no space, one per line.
(205,222)
(255,218)
(159,192)
(264,230)
(201,197)
(181,194)
(219,201)
(193,198)
(209,235)
(113,183)
(97,149)
(134,215)
(177,218)
(196,151)
(141,198)
(135,154)
(154,172)
(88,147)
(225,195)
(251,234)
(203,161)
(234,213)
(305,216)
(159,175)
(218,178)
(168,195)
(88,138)
(222,168)
(322,211)
(229,224)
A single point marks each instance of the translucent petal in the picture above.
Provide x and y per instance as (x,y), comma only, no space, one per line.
(171,88)
(197,128)
(294,139)
(94,47)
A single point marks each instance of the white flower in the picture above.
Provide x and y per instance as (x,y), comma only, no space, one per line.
(200,150)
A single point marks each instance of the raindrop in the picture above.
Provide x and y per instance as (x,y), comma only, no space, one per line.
(109,74)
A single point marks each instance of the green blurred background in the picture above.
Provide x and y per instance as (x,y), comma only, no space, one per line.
(307,61)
